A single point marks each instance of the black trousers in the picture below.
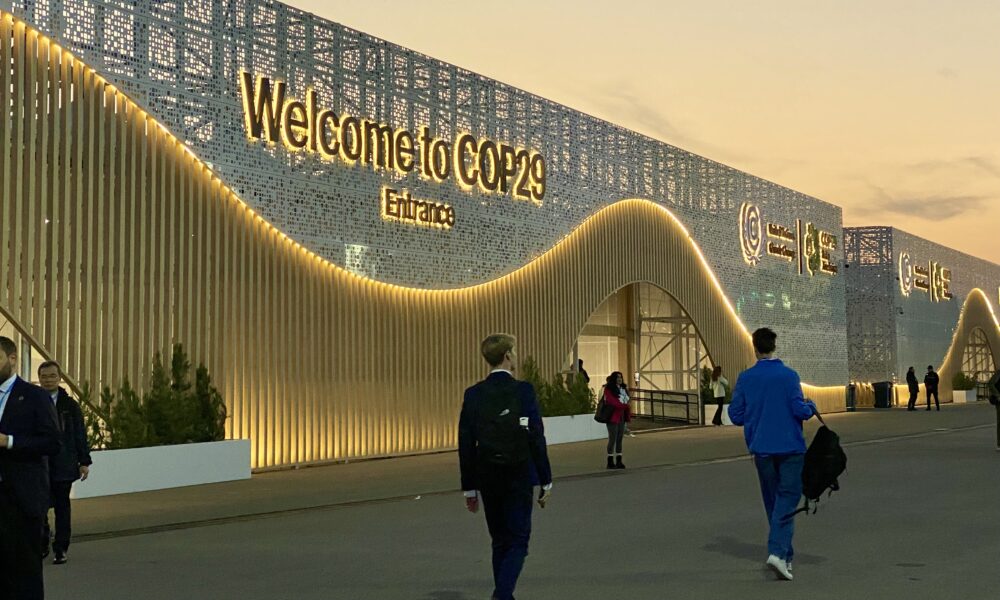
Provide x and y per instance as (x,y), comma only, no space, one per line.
(59,491)
(507,503)
(936,402)
(914,392)
(20,550)
(717,419)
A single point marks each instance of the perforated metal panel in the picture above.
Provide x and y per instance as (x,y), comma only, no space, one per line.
(180,60)
(893,322)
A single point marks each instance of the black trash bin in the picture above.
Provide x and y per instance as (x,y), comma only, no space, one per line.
(883,394)
(852,397)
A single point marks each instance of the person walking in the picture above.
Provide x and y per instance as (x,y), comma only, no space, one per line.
(768,403)
(616,396)
(29,432)
(502,456)
(719,386)
(72,463)
(911,383)
(931,381)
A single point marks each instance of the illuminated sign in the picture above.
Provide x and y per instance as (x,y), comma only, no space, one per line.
(301,125)
(808,246)
(399,205)
(930,278)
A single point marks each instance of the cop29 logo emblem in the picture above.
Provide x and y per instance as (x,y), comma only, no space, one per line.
(905,273)
(751,235)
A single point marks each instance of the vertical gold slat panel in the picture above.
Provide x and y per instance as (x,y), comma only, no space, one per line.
(15,222)
(6,152)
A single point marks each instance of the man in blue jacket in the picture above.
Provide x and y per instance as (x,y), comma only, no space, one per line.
(502,456)
(768,403)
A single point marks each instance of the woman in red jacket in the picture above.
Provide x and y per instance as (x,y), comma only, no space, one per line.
(615,395)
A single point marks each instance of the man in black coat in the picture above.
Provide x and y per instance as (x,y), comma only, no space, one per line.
(911,382)
(72,463)
(931,380)
(502,456)
(29,432)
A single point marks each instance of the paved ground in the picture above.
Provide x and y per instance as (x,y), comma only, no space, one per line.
(919,517)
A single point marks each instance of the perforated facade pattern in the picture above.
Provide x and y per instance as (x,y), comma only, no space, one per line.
(181,60)
(894,323)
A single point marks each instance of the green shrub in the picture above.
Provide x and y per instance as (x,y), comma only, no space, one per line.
(961,381)
(562,395)
(172,411)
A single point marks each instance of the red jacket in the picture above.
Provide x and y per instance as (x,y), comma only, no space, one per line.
(622,412)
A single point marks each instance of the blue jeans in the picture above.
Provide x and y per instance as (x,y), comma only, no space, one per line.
(507,504)
(781,486)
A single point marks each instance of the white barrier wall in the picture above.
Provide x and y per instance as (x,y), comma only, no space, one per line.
(162,467)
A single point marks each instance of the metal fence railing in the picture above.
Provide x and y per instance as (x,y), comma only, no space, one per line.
(681,408)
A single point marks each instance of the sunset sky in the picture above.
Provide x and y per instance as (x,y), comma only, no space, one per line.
(888,108)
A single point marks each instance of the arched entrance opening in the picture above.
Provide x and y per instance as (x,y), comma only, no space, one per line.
(646,334)
(978,361)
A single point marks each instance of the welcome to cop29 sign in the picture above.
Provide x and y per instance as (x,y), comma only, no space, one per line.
(273,117)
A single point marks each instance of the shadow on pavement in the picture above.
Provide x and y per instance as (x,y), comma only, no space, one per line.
(754,552)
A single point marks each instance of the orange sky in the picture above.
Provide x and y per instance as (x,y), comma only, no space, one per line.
(888,108)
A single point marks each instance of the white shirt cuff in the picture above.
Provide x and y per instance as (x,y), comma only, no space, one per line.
(10,442)
(469,493)
(547,487)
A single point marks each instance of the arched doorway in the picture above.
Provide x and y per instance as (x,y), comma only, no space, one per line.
(978,361)
(646,334)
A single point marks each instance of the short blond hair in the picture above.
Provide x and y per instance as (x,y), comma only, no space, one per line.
(496,346)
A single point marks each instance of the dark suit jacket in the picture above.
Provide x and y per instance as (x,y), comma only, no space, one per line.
(472,470)
(911,381)
(31,419)
(65,466)
(931,380)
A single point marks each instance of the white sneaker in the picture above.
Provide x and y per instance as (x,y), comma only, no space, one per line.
(788,565)
(779,567)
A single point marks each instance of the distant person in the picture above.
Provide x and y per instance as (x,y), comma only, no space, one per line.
(719,386)
(581,370)
(616,396)
(502,456)
(931,381)
(911,383)
(72,463)
(29,432)
(768,403)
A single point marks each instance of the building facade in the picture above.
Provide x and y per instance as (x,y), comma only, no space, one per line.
(331,223)
(905,296)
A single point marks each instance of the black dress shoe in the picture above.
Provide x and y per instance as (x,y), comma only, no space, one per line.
(60,559)
(45,552)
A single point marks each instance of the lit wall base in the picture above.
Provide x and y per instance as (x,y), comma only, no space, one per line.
(573,428)
(163,467)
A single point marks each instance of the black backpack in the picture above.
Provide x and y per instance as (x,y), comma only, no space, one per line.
(825,460)
(502,441)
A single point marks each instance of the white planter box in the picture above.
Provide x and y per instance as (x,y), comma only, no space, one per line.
(162,467)
(709,410)
(573,428)
(963,396)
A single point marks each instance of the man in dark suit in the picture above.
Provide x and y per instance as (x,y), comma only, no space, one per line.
(911,384)
(28,433)
(931,381)
(72,463)
(502,456)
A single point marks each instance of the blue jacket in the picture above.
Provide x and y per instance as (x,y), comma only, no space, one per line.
(768,403)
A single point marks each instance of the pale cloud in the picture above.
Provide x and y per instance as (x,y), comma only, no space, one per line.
(927,207)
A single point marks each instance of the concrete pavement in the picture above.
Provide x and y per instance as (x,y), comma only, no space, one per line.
(917,518)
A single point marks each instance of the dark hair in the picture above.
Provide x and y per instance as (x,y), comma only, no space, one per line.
(930,367)
(612,380)
(48,365)
(716,372)
(8,346)
(763,340)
